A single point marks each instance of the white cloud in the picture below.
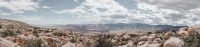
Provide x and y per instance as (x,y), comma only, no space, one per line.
(46,7)
(18,6)
(76,1)
(174,12)
(5,14)
(109,11)
(181,5)
(96,11)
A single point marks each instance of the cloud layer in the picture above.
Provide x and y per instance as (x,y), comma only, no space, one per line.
(172,12)
(175,11)
(18,6)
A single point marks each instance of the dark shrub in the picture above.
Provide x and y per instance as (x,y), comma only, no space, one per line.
(104,41)
(34,43)
(59,34)
(193,40)
(7,33)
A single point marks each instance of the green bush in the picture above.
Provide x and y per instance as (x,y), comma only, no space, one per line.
(193,40)
(8,33)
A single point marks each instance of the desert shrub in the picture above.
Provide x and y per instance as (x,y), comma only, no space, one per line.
(135,40)
(36,28)
(59,34)
(0,26)
(193,40)
(19,32)
(133,35)
(73,40)
(35,33)
(10,26)
(104,41)
(7,33)
(122,43)
(34,43)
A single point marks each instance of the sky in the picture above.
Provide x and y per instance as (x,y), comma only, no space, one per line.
(170,12)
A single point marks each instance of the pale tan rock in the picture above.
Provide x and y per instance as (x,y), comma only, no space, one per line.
(27,37)
(195,28)
(149,37)
(173,42)
(69,44)
(141,43)
(149,45)
(183,32)
(6,43)
(127,45)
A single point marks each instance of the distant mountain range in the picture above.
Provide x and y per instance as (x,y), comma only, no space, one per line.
(118,26)
(95,27)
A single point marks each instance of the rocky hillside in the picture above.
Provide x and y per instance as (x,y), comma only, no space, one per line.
(19,34)
(12,24)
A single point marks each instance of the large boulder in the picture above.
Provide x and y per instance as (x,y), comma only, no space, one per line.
(27,37)
(149,44)
(184,32)
(194,28)
(173,42)
(69,44)
(6,43)
(147,37)
(127,45)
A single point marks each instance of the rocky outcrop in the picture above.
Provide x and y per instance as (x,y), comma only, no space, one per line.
(195,28)
(6,43)
(69,44)
(173,42)
(13,24)
(183,32)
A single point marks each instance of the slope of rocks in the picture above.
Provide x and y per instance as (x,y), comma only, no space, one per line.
(12,24)
(19,34)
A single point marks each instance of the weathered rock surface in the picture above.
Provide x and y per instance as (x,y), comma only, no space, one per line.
(173,42)
(6,43)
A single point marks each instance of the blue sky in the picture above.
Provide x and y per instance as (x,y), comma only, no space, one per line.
(172,12)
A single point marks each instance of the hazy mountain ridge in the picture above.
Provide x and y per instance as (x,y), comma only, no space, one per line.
(118,26)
